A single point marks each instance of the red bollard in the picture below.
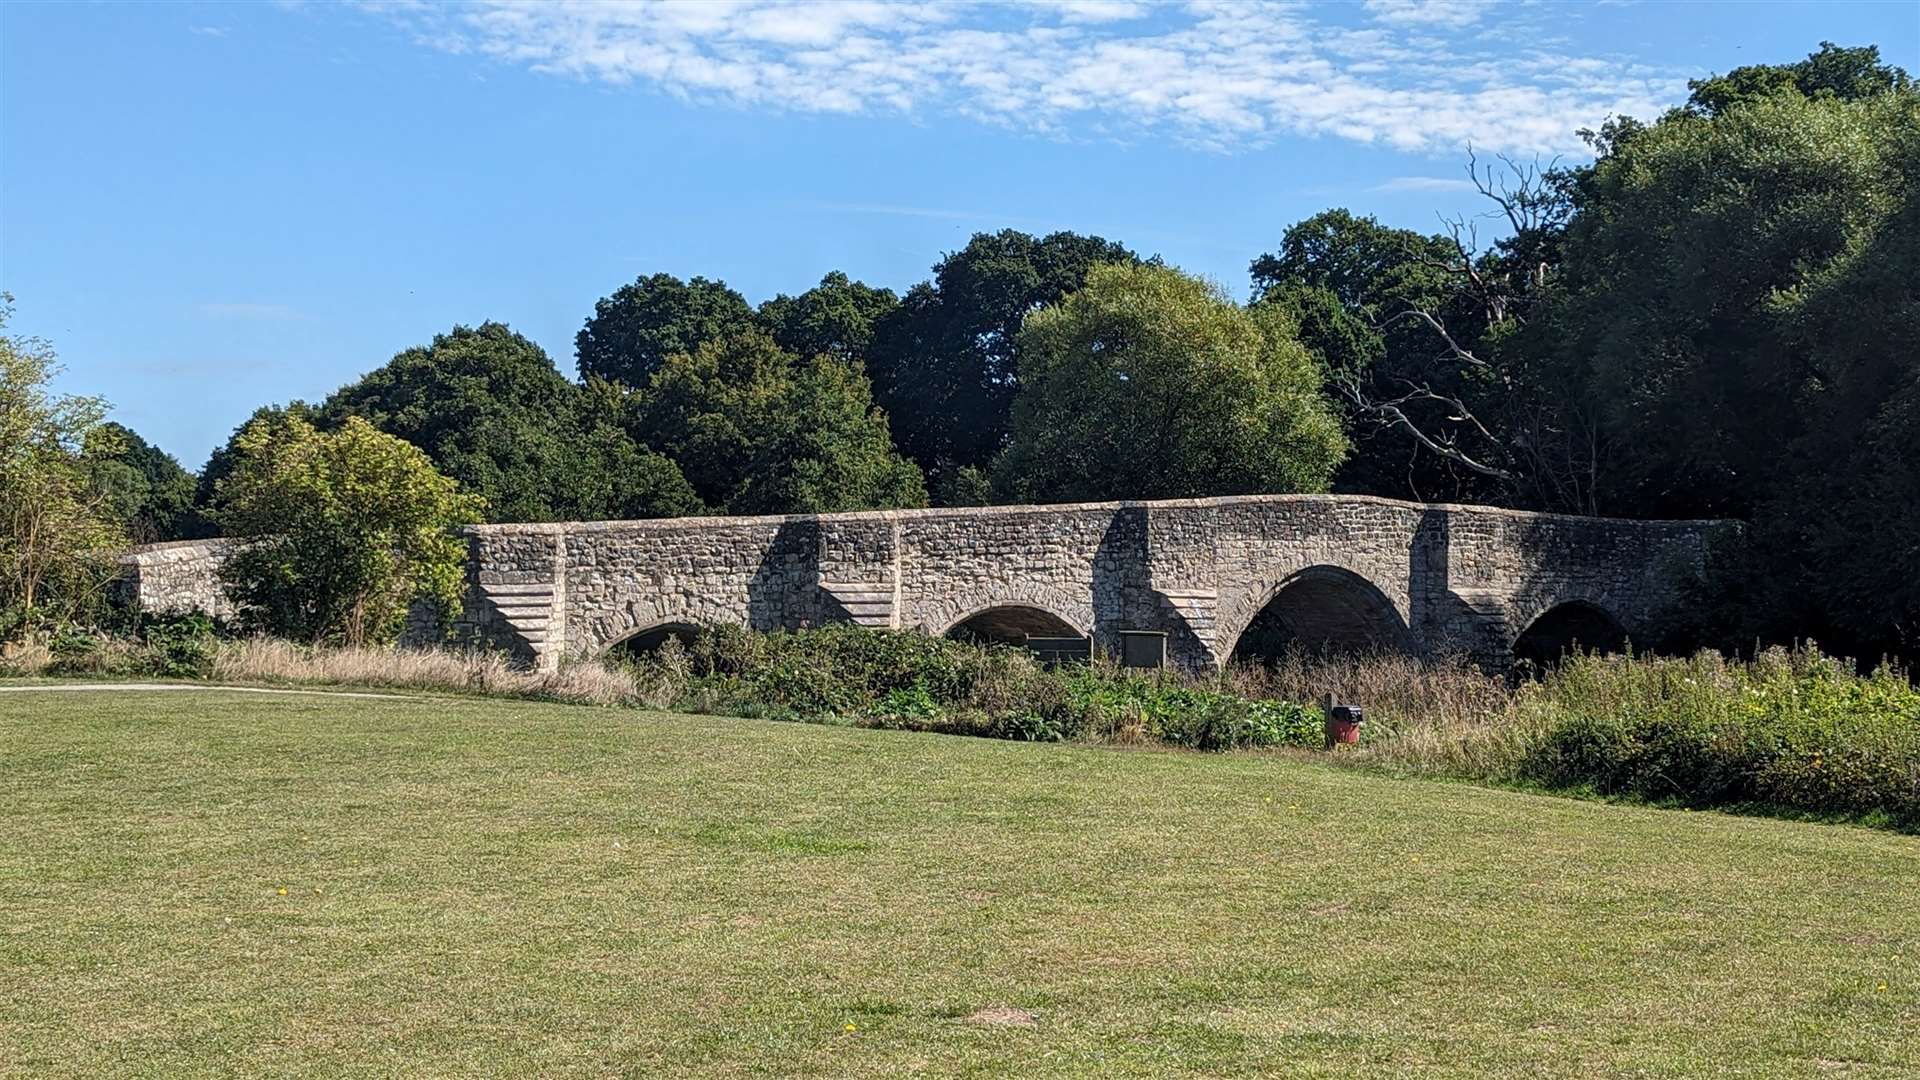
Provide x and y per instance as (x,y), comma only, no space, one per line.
(1343,724)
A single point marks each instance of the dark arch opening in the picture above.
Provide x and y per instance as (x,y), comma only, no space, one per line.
(1011,624)
(1565,628)
(1322,610)
(650,640)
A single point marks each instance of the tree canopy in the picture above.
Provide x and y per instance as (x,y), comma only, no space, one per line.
(1836,72)
(145,486)
(1147,383)
(58,528)
(1677,309)
(341,532)
(944,362)
(758,431)
(1346,282)
(834,318)
(489,408)
(632,332)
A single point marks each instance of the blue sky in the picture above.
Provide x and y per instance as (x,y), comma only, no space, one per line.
(207,207)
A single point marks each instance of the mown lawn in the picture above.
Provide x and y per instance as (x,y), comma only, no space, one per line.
(205,882)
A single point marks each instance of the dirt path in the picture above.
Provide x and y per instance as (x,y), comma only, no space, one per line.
(69,688)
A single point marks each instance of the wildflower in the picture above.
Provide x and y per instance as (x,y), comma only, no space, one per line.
(283,892)
(850,1028)
(1882,988)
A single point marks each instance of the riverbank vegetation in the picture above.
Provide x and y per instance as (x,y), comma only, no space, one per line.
(1789,731)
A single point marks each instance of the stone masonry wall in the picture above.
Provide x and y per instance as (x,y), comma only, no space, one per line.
(177,577)
(1429,578)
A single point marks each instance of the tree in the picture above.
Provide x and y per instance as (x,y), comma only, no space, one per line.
(1835,72)
(629,479)
(1712,334)
(339,532)
(60,536)
(145,486)
(1150,384)
(757,431)
(834,318)
(1346,282)
(1840,530)
(1694,247)
(221,461)
(632,332)
(832,452)
(489,408)
(944,362)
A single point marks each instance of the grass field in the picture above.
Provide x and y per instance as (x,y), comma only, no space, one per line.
(205,882)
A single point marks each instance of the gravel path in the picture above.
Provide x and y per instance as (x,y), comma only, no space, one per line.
(69,688)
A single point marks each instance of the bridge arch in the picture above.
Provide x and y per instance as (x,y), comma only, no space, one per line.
(1565,626)
(649,638)
(1010,624)
(1047,608)
(1321,608)
(642,615)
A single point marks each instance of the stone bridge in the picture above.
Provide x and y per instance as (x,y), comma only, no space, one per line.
(1247,574)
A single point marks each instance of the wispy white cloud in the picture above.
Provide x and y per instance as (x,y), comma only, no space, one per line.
(1423,183)
(1099,11)
(1454,13)
(210,31)
(1214,73)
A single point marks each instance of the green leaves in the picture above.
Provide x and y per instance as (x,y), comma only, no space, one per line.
(341,531)
(1732,308)
(944,363)
(146,488)
(490,409)
(1345,281)
(633,331)
(759,432)
(58,528)
(1147,383)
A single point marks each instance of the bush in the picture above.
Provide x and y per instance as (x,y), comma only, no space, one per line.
(76,650)
(913,681)
(1792,729)
(165,646)
(179,646)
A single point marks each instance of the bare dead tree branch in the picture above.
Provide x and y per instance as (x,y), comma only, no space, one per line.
(1454,348)
(1392,414)
(1542,447)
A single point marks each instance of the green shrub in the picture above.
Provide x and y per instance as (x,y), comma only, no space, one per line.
(922,683)
(167,646)
(75,652)
(85,651)
(1792,729)
(1284,723)
(909,708)
(179,646)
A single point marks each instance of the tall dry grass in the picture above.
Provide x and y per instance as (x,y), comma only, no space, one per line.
(451,670)
(24,659)
(1443,717)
